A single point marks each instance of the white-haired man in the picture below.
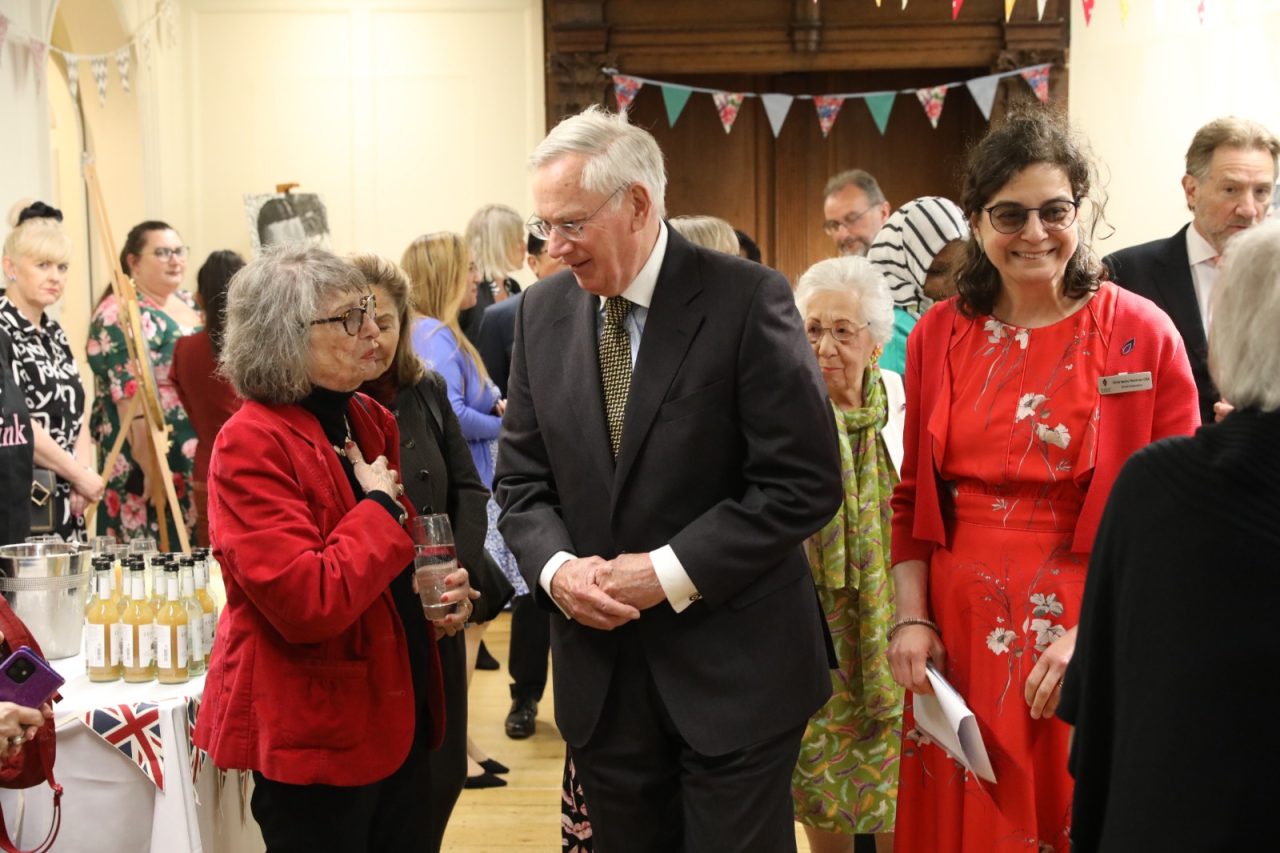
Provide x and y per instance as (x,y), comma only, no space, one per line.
(667,448)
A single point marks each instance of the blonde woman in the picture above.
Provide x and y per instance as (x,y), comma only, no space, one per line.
(495,235)
(444,282)
(710,232)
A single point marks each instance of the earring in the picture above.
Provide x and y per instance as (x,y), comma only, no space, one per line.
(875,354)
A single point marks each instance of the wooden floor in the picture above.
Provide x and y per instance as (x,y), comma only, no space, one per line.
(525,815)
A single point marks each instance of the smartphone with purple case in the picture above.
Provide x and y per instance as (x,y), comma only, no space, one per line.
(25,679)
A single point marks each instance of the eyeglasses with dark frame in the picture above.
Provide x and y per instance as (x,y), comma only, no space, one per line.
(1010,218)
(164,253)
(831,226)
(841,333)
(353,318)
(571,230)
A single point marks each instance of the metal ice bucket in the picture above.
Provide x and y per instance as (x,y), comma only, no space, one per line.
(47,585)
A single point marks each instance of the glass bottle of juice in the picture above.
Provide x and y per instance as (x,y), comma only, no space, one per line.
(137,637)
(102,627)
(118,581)
(172,645)
(197,657)
(209,610)
(159,562)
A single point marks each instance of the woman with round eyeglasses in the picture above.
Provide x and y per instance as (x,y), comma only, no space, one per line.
(156,259)
(1026,393)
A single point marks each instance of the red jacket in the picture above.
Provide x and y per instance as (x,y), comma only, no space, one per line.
(309,681)
(1127,422)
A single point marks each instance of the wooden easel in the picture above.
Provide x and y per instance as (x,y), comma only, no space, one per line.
(162,493)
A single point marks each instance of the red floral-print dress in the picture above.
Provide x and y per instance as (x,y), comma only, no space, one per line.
(1017,446)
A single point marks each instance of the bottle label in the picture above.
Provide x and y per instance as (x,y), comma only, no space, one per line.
(117,639)
(127,649)
(95,645)
(208,623)
(146,645)
(164,648)
(182,646)
(197,640)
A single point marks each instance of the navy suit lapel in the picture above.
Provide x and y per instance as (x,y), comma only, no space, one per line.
(674,318)
(581,372)
(1178,292)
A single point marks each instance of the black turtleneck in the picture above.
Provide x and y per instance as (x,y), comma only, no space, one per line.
(330,409)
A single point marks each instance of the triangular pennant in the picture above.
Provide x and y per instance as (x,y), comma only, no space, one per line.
(828,108)
(1008,9)
(1038,79)
(776,108)
(727,105)
(879,104)
(955,8)
(1124,11)
(122,67)
(144,45)
(931,99)
(674,98)
(983,90)
(1200,10)
(1088,11)
(4,28)
(625,89)
(73,74)
(1040,9)
(170,17)
(39,53)
(98,67)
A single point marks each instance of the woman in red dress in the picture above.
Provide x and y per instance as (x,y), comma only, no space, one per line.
(1010,452)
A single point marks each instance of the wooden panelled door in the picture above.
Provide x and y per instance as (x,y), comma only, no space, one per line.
(772,188)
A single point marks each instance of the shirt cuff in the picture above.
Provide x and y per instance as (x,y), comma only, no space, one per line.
(675,581)
(558,559)
(390,504)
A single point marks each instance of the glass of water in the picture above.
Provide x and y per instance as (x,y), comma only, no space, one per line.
(435,558)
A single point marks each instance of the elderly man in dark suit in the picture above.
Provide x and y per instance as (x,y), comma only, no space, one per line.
(1231,175)
(667,447)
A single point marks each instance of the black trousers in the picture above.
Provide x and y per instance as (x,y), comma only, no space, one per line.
(447,769)
(648,790)
(530,645)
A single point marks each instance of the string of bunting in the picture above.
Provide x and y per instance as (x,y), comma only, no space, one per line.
(776,106)
(159,28)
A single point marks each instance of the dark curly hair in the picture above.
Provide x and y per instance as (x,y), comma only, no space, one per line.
(1029,135)
(213,278)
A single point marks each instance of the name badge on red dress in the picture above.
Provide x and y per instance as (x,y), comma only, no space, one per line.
(1124,383)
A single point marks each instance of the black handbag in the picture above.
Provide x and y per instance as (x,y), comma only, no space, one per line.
(43,485)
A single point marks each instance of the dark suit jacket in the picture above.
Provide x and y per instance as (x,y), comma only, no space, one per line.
(497,339)
(1161,271)
(728,454)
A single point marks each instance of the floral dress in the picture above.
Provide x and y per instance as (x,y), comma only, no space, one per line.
(125,512)
(1017,445)
(50,381)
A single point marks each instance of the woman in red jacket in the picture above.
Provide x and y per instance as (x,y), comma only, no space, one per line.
(325,679)
(1025,395)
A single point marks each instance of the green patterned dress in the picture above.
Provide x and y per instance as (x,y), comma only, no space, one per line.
(846,779)
(124,513)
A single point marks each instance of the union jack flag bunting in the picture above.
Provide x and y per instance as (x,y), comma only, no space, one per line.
(197,754)
(135,731)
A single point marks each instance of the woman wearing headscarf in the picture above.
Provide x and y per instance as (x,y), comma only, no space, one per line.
(918,249)
(37,253)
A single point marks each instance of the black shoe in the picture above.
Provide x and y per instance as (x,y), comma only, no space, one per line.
(484,660)
(484,780)
(493,766)
(523,718)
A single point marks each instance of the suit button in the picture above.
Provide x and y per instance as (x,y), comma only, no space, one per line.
(423,474)
(409,444)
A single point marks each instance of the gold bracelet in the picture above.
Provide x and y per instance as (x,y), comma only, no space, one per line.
(903,623)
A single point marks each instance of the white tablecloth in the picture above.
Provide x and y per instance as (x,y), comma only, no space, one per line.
(109,804)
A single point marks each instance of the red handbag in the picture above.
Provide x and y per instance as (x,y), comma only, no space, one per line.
(33,763)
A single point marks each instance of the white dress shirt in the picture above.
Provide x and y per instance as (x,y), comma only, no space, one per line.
(675,581)
(1204,271)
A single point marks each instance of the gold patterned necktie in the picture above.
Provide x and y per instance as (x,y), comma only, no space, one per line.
(615,366)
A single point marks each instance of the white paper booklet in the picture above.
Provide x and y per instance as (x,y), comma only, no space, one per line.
(946,718)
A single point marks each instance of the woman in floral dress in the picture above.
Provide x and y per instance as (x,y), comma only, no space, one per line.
(154,257)
(1010,452)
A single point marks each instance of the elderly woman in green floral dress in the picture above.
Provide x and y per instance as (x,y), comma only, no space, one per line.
(846,779)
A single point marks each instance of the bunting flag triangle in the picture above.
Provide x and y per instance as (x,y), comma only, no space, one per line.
(674,98)
(727,105)
(904,5)
(39,53)
(1124,11)
(1038,79)
(135,731)
(879,104)
(1088,11)
(625,89)
(931,99)
(1200,10)
(955,8)
(1040,9)
(73,74)
(983,90)
(776,108)
(828,108)
(4,28)
(122,67)
(1008,9)
(98,67)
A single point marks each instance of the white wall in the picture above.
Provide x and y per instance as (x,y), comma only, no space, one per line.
(25,168)
(1140,89)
